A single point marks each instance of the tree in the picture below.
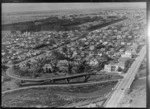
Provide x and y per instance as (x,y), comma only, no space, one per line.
(64,49)
(63,66)
(24,72)
(58,55)
(4,67)
(40,71)
(127,64)
(82,67)
(120,69)
(70,68)
(28,65)
(16,67)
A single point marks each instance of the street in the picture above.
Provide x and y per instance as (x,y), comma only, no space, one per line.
(127,81)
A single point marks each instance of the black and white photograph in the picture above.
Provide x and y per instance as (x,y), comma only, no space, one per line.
(82,55)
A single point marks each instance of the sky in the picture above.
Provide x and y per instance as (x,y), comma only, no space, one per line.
(28,7)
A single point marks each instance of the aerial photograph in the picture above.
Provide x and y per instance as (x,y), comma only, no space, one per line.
(74,55)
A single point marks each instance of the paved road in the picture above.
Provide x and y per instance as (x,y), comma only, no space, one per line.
(126,81)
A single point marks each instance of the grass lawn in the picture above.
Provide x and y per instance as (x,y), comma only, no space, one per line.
(56,96)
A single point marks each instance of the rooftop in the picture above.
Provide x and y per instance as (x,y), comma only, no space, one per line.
(123,59)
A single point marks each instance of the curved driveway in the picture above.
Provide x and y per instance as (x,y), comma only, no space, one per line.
(10,72)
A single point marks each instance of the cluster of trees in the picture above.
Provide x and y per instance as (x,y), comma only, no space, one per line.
(104,24)
(51,23)
(60,65)
(57,68)
(4,67)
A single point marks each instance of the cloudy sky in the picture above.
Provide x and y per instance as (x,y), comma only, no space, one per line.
(27,7)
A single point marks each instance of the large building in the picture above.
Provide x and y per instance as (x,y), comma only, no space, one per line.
(127,54)
(114,67)
(111,67)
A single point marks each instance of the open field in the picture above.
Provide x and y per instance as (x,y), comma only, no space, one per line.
(56,96)
(9,85)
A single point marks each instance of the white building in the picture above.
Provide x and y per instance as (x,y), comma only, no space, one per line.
(107,68)
(127,54)
(111,68)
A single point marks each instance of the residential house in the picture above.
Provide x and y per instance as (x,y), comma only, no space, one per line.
(127,54)
(111,67)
